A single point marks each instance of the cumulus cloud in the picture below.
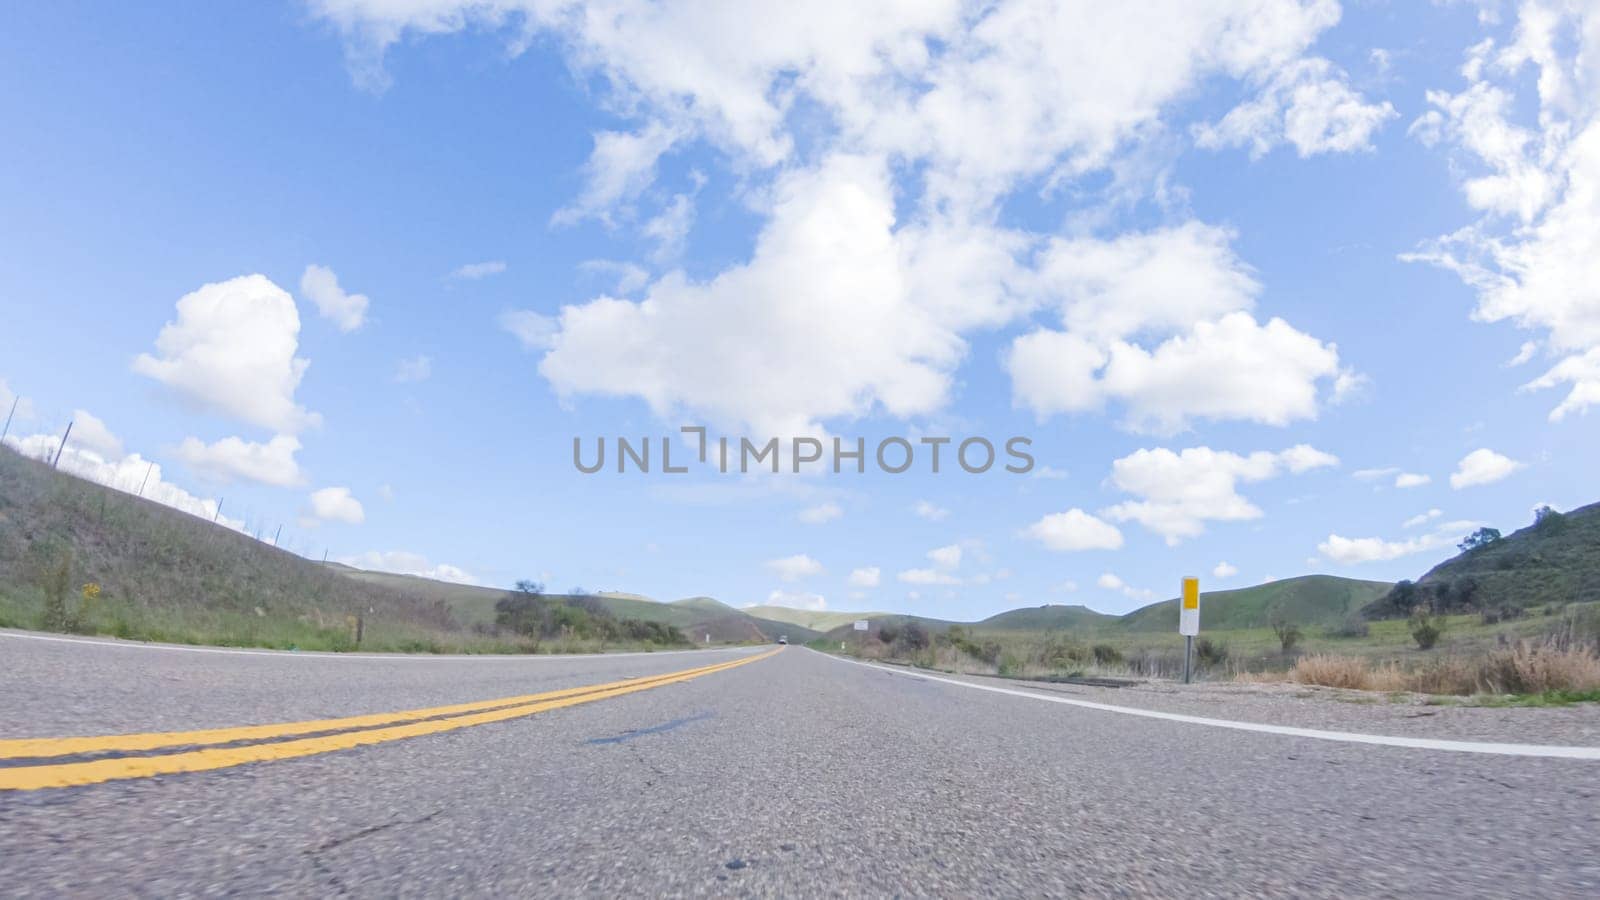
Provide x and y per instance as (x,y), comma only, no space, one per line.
(479,270)
(866,577)
(1531,167)
(1179,492)
(19,409)
(90,432)
(535,331)
(948,557)
(1225,569)
(821,513)
(402,562)
(1411,480)
(1309,104)
(333,504)
(234,458)
(887,275)
(231,350)
(1370,549)
(130,474)
(1075,530)
(928,576)
(1482,466)
(1422,518)
(794,568)
(345,310)
(930,511)
(1111,582)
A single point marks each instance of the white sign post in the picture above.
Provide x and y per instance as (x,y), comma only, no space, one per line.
(861,624)
(1189,622)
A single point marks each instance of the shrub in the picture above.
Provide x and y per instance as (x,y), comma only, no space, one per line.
(1536,668)
(1107,655)
(1425,627)
(1353,626)
(1210,654)
(1288,633)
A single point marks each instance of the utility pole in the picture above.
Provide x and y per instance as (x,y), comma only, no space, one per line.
(218,510)
(146,477)
(277,534)
(7,430)
(56,463)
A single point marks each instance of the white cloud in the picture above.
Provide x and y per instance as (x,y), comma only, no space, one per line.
(1482,466)
(535,331)
(1231,369)
(1179,492)
(1225,570)
(1422,518)
(232,351)
(1308,104)
(88,431)
(1411,480)
(346,311)
(1370,549)
(794,568)
(670,228)
(235,458)
(127,474)
(1075,530)
(1531,167)
(1524,353)
(821,513)
(866,577)
(927,577)
(1111,582)
(948,557)
(414,369)
(333,504)
(797,600)
(931,511)
(1374,474)
(18,409)
(402,562)
(479,270)
(886,276)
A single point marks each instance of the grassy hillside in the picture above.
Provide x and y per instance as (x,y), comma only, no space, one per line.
(1555,561)
(1046,618)
(165,575)
(1314,600)
(813,619)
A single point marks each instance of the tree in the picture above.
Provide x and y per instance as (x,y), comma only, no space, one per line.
(1483,537)
(1547,520)
(1288,633)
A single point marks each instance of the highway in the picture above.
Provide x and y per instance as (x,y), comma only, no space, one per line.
(740,772)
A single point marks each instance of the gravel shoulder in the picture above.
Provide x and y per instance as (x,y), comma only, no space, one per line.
(1335,709)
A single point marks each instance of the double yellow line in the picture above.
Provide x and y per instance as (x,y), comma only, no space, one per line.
(290,740)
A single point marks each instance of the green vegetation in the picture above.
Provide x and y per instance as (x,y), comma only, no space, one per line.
(810,619)
(79,557)
(529,613)
(1554,561)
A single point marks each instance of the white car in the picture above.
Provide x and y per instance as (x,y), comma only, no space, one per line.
(783,639)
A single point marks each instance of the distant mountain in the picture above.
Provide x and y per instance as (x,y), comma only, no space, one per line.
(1556,560)
(816,620)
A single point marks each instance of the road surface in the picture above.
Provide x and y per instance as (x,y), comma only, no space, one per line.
(741,772)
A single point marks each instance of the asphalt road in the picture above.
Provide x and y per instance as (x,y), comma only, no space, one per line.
(789,775)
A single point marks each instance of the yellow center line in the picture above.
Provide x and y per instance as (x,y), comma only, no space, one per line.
(26,778)
(20,748)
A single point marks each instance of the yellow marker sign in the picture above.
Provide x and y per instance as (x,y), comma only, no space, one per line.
(1189,609)
(1191,593)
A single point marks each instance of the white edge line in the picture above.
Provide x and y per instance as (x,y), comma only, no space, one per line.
(1349,737)
(323,654)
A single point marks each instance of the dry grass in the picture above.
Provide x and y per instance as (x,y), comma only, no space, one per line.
(1526,667)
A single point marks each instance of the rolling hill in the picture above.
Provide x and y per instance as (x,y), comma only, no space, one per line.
(813,619)
(1307,600)
(1556,560)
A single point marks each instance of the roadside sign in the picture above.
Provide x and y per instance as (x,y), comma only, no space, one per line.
(861,624)
(1189,608)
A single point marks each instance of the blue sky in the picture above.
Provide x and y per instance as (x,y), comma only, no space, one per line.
(1233,271)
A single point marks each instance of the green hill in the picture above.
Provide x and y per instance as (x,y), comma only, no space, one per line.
(1306,600)
(1556,560)
(1047,618)
(165,575)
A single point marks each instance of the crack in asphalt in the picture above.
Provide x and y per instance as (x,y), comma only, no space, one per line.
(326,872)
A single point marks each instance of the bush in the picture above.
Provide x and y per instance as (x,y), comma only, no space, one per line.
(1107,655)
(1210,654)
(1288,633)
(1529,668)
(1352,627)
(1425,627)
(1329,670)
